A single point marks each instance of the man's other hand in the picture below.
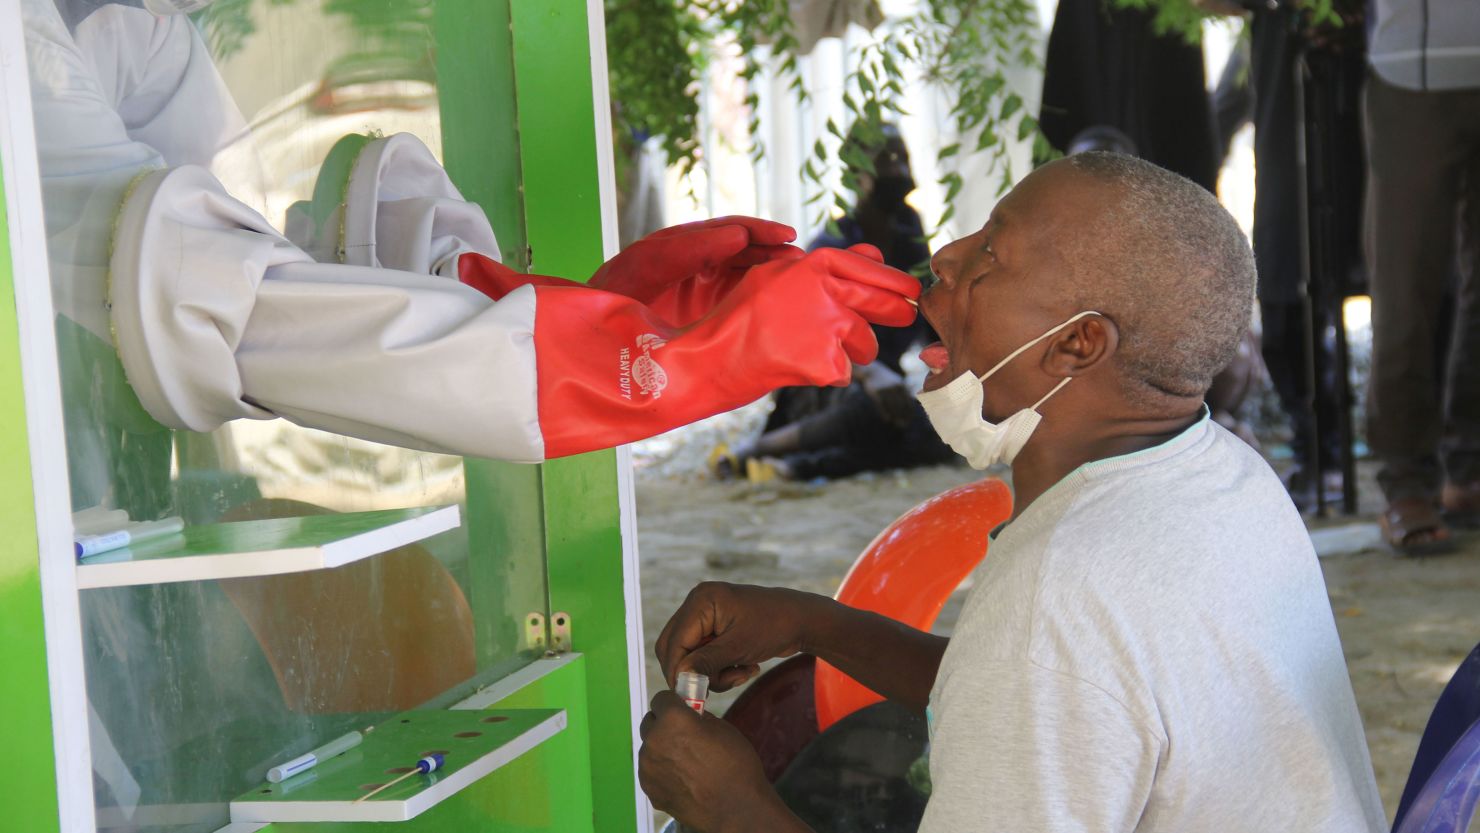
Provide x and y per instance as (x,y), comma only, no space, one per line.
(703,772)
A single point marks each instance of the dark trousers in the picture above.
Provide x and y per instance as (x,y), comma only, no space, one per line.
(1423,174)
(846,433)
(1285,346)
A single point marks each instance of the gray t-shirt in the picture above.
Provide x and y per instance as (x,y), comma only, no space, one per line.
(1149,647)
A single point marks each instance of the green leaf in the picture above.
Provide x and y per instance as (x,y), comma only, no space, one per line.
(954,188)
(948,151)
(1009,106)
(891,67)
(1027,127)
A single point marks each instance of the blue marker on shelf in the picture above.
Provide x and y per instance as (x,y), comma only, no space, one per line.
(85,545)
(305,762)
(425,766)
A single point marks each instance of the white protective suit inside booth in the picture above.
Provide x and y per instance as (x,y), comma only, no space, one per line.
(203,334)
(218,316)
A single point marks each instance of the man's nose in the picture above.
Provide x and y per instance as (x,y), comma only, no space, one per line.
(943,265)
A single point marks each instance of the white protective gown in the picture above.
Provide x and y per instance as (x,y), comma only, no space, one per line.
(218,316)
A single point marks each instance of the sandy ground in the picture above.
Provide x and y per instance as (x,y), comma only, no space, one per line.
(1405,623)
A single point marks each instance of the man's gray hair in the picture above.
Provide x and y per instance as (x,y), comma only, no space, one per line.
(1171,267)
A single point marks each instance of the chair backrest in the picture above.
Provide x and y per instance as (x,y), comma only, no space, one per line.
(910,570)
(1444,784)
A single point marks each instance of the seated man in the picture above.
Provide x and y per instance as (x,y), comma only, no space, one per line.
(1149,645)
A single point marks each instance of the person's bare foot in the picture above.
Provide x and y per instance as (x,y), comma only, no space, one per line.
(1413,526)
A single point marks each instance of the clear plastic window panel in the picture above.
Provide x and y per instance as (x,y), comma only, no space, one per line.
(197,687)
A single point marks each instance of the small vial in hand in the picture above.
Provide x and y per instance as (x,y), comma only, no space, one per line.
(693,688)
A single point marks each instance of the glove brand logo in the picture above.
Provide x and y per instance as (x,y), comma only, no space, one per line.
(650,376)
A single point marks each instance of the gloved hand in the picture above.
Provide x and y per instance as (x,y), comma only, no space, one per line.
(218,317)
(682,271)
(611,370)
(679,273)
(675,306)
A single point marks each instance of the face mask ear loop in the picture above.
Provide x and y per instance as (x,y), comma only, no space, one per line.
(1018,352)
(1056,388)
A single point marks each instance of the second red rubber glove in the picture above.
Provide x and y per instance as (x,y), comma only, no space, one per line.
(681,272)
(612,371)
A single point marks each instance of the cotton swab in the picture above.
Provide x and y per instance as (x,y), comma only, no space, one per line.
(425,766)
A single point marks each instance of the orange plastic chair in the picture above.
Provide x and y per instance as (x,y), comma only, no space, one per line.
(908,573)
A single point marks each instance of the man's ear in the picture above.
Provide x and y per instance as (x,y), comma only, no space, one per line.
(1082,346)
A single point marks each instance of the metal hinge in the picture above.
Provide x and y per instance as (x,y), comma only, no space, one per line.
(534,631)
(554,640)
(560,640)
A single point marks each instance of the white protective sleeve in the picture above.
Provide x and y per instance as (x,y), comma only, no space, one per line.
(219,317)
(401,211)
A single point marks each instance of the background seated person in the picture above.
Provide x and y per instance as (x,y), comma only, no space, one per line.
(1149,646)
(874,423)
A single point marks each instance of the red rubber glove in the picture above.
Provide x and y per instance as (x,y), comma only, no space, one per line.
(496,280)
(681,272)
(611,371)
(682,302)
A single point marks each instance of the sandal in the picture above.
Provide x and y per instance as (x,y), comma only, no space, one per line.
(722,464)
(1460,504)
(1412,526)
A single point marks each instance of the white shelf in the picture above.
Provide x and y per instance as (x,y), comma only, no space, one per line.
(265,547)
(476,743)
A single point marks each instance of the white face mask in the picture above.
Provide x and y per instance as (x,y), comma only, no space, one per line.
(168,7)
(955,411)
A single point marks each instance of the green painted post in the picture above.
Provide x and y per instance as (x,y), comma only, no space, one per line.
(567,510)
(480,147)
(562,198)
(26,733)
